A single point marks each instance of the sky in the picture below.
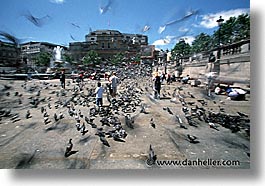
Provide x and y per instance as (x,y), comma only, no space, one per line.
(163,21)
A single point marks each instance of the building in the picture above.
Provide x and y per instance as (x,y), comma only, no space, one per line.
(9,55)
(31,49)
(107,43)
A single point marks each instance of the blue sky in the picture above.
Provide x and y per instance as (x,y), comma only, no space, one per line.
(70,20)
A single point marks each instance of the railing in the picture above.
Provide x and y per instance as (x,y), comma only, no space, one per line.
(226,50)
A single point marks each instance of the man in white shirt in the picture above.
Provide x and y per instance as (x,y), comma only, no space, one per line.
(114,80)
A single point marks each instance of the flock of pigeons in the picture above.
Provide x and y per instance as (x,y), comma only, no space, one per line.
(77,104)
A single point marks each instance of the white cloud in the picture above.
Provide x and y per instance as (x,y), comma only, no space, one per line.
(57,1)
(209,20)
(172,40)
(181,29)
(188,39)
(167,40)
(160,42)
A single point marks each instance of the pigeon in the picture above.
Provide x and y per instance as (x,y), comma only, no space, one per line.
(47,121)
(16,116)
(116,137)
(90,122)
(42,109)
(100,132)
(104,121)
(83,129)
(104,9)
(39,22)
(186,16)
(152,123)
(192,139)
(45,114)
(104,141)
(180,122)
(80,114)
(69,147)
(75,25)
(129,121)
(152,157)
(192,96)
(55,117)
(242,114)
(213,126)
(14,41)
(183,126)
(38,93)
(61,116)
(143,109)
(169,111)
(179,119)
(78,126)
(185,109)
(201,101)
(28,115)
(68,150)
(15,120)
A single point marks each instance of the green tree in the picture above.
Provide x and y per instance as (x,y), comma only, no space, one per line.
(137,57)
(242,29)
(202,42)
(233,30)
(91,58)
(181,49)
(68,58)
(117,58)
(43,59)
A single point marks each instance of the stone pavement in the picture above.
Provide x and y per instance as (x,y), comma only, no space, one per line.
(29,143)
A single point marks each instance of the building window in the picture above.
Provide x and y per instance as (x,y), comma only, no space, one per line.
(102,45)
(108,45)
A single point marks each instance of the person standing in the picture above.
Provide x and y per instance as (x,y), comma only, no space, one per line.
(168,78)
(211,61)
(62,79)
(99,95)
(157,86)
(211,76)
(114,80)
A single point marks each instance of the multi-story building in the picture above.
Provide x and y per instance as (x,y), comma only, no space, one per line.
(108,43)
(9,55)
(31,49)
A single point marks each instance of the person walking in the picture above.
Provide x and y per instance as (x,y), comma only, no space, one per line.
(62,79)
(99,95)
(114,80)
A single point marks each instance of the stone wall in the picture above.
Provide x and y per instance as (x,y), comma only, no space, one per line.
(234,64)
(234,68)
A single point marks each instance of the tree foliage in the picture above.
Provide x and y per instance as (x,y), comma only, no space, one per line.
(233,30)
(43,59)
(202,42)
(91,58)
(68,58)
(181,49)
(117,58)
